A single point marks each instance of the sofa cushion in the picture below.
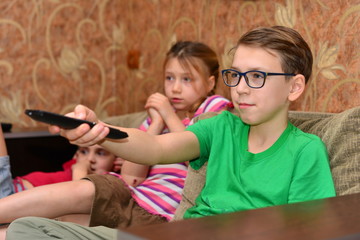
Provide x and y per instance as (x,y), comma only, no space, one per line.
(130,120)
(341,135)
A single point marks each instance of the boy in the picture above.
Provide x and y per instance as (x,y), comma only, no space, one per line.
(254,161)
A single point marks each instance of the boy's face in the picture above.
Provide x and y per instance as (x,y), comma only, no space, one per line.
(101,160)
(266,104)
(184,87)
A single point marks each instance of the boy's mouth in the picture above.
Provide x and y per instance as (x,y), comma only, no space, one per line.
(245,105)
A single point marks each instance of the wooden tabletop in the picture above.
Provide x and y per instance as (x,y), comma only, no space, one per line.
(332,218)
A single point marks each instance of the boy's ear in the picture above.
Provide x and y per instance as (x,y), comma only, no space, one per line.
(297,87)
(211,83)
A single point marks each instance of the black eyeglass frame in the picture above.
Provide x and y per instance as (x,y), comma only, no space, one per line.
(246,78)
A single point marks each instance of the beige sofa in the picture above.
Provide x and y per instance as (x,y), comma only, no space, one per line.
(340,133)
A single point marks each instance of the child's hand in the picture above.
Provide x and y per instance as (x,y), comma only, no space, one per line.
(161,103)
(83,135)
(157,123)
(118,163)
(155,116)
(80,169)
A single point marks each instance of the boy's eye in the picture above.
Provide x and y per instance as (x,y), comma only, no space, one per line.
(256,75)
(186,79)
(234,75)
(83,151)
(102,153)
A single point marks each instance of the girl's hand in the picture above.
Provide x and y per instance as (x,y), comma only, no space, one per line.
(157,123)
(83,135)
(162,104)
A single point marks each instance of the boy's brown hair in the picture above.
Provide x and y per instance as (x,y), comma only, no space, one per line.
(295,53)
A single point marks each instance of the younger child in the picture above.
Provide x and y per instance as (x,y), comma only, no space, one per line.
(191,70)
(256,159)
(92,159)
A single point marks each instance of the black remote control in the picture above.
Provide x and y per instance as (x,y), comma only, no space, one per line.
(68,122)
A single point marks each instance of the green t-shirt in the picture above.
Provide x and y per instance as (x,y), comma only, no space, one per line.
(294,169)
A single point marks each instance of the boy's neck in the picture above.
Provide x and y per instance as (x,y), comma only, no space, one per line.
(263,136)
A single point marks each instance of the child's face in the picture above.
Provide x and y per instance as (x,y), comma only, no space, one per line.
(184,87)
(101,160)
(266,104)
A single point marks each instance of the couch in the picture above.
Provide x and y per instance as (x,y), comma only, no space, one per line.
(339,131)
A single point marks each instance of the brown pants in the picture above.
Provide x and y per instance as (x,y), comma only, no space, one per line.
(114,206)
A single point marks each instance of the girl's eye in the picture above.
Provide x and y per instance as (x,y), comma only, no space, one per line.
(187,79)
(169,78)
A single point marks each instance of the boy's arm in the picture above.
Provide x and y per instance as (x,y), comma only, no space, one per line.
(139,147)
(144,148)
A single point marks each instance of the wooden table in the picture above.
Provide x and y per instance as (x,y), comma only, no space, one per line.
(35,149)
(332,218)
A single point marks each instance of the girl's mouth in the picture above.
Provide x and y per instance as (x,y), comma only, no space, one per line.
(176,100)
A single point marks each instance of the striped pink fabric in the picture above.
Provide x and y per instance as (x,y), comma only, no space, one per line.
(161,192)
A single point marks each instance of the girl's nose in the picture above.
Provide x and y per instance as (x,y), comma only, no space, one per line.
(176,86)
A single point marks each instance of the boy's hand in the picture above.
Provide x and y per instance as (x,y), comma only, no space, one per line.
(83,135)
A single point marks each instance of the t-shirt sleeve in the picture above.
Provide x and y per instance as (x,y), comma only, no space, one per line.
(312,177)
(202,130)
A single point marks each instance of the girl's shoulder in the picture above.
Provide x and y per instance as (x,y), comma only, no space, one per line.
(214,103)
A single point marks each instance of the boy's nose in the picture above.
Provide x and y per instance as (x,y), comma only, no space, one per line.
(242,87)
(91,158)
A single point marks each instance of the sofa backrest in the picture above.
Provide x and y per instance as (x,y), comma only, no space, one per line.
(341,135)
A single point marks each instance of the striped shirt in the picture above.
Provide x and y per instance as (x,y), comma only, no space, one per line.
(160,193)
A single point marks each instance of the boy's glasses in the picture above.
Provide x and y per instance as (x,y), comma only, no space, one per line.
(254,79)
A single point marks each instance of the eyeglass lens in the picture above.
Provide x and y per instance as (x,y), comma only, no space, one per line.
(253,78)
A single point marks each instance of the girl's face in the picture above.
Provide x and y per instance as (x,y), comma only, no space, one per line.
(101,160)
(185,87)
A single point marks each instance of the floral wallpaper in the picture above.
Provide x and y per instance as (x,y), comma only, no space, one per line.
(108,54)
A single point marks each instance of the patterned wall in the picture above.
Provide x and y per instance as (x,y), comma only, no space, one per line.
(108,54)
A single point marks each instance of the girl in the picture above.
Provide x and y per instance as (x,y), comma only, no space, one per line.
(191,71)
